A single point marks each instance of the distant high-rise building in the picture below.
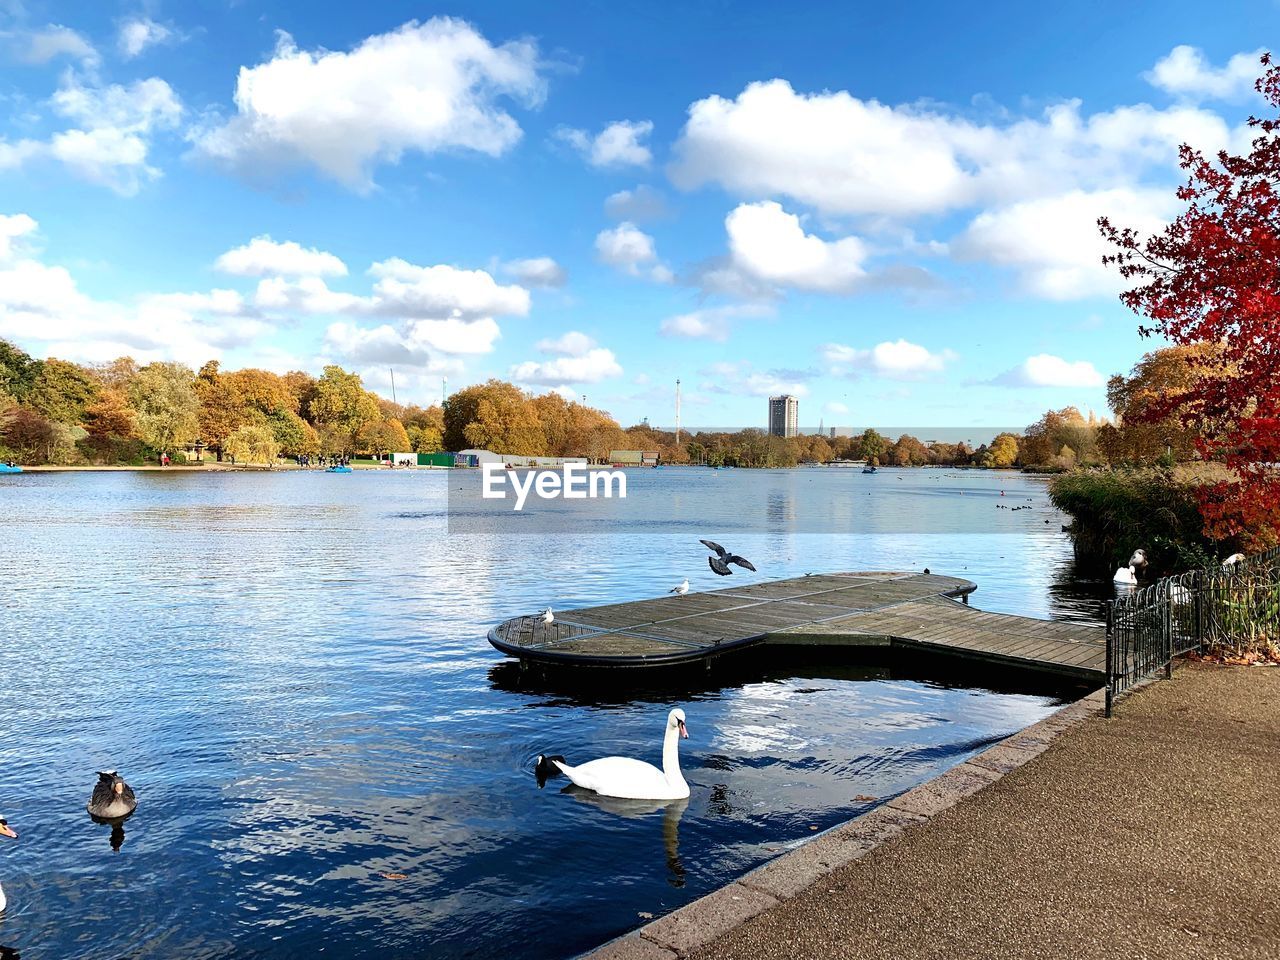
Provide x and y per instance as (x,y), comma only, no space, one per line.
(784,415)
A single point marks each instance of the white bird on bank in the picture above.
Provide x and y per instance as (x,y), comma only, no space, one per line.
(681,588)
(548,617)
(630,779)
(1232,560)
(1125,575)
(5,831)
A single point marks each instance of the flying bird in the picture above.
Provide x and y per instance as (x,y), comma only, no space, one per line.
(681,588)
(720,562)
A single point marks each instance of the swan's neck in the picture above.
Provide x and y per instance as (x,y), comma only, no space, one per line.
(671,757)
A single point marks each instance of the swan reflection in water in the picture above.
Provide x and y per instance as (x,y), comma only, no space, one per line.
(672,811)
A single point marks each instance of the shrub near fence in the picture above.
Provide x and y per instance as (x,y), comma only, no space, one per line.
(1230,610)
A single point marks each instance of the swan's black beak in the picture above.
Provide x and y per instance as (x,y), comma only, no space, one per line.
(684,733)
(7,831)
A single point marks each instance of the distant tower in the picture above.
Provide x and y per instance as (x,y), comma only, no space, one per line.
(784,415)
(677,411)
(444,390)
(821,431)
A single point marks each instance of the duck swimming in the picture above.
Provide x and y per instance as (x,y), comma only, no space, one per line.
(112,798)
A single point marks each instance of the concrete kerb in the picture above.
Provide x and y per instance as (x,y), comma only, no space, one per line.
(698,923)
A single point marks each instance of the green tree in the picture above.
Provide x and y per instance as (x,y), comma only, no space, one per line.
(164,396)
(18,371)
(62,391)
(295,436)
(341,401)
(253,443)
(871,446)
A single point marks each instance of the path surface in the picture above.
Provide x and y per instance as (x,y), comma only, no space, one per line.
(1153,834)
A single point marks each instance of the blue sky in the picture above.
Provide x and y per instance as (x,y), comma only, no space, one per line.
(888,212)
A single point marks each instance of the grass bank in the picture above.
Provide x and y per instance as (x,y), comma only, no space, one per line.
(1114,512)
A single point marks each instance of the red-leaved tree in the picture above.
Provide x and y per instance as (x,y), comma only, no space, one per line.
(1212,276)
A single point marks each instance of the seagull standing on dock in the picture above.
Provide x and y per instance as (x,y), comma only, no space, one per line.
(547,616)
(720,562)
(681,588)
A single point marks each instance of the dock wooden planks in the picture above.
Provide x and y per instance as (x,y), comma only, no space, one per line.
(903,609)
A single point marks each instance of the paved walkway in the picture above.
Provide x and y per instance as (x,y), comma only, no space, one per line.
(1153,834)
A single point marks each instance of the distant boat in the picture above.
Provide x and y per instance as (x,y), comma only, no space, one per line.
(869,470)
(337,469)
(5,468)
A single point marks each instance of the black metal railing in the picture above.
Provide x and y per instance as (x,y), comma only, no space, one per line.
(1234,605)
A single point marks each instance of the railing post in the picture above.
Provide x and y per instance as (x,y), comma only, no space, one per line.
(1110,646)
(1167,653)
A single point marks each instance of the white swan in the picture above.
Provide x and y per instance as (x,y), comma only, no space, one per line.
(5,831)
(1125,575)
(630,779)
(681,588)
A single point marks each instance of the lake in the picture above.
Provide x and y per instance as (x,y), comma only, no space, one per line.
(291,670)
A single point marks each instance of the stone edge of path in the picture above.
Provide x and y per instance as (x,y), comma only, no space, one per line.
(698,923)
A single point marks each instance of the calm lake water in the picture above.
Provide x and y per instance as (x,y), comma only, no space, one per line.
(291,669)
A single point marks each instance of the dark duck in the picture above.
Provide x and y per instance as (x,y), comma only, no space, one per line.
(112,798)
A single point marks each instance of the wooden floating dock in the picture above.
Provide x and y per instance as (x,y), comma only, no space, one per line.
(925,612)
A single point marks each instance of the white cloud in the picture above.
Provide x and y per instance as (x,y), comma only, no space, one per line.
(43,304)
(419,346)
(14,227)
(617,145)
(631,250)
(263,256)
(892,359)
(139,33)
(639,205)
(571,344)
(307,295)
(738,377)
(711,323)
(536,272)
(424,87)
(592,366)
(1185,72)
(1046,370)
(40,46)
(1053,243)
(407,290)
(110,147)
(846,156)
(769,244)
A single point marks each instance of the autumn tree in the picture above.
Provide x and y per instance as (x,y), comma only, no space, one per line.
(1212,276)
(109,422)
(164,397)
(1003,452)
(221,409)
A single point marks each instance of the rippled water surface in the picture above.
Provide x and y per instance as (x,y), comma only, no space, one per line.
(292,671)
